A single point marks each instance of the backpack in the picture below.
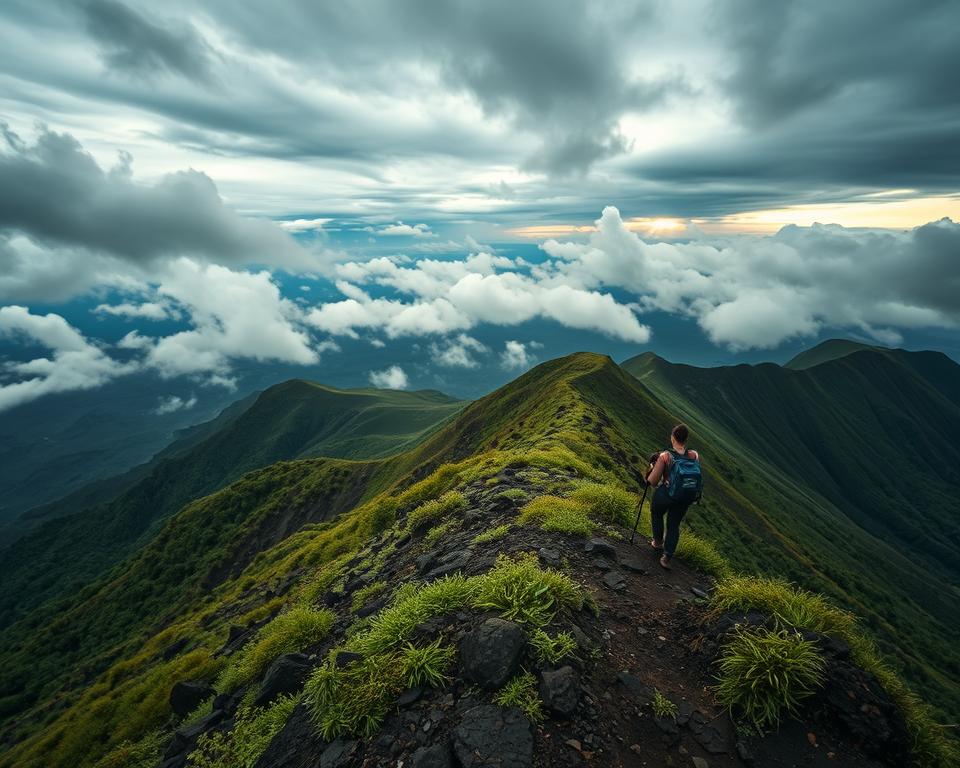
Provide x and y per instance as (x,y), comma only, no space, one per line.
(686,481)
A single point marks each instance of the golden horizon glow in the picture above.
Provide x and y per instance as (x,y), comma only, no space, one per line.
(879,214)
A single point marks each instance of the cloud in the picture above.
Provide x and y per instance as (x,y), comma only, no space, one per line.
(132,43)
(406,230)
(174,403)
(516,355)
(75,364)
(304,225)
(390,378)
(148,310)
(457,352)
(59,206)
(757,292)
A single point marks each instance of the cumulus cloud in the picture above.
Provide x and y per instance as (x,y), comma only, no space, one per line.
(75,362)
(406,230)
(304,225)
(174,403)
(393,377)
(757,292)
(147,310)
(516,355)
(457,352)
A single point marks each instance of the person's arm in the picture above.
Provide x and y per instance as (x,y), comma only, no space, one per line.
(653,477)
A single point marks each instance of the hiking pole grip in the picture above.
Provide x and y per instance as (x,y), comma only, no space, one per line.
(646,487)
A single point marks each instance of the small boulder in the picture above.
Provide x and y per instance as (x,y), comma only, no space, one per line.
(493,737)
(560,690)
(339,754)
(286,674)
(614,580)
(601,548)
(437,756)
(491,652)
(550,557)
(186,696)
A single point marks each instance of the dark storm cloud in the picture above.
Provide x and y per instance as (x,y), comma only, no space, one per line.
(54,192)
(133,43)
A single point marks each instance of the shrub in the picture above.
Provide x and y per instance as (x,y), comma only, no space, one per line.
(291,631)
(252,732)
(556,514)
(607,502)
(551,650)
(439,531)
(492,535)
(431,511)
(426,665)
(362,595)
(662,706)
(522,591)
(763,672)
(522,692)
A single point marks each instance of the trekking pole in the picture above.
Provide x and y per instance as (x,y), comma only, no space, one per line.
(639,511)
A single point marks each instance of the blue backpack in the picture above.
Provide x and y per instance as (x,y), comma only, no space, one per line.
(686,481)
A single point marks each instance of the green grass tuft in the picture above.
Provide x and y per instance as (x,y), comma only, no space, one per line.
(290,631)
(607,503)
(764,672)
(522,692)
(428,664)
(439,531)
(551,650)
(145,753)
(362,596)
(431,511)
(522,591)
(662,706)
(703,555)
(252,732)
(553,513)
(492,535)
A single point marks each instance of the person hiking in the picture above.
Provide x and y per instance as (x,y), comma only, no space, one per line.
(681,467)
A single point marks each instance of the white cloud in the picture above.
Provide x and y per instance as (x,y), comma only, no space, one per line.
(148,310)
(304,225)
(456,352)
(75,363)
(393,377)
(516,355)
(406,230)
(174,403)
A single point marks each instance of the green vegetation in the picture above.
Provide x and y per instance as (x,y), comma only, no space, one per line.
(426,665)
(701,553)
(363,595)
(293,630)
(523,592)
(241,747)
(433,536)
(431,511)
(579,513)
(662,706)
(522,692)
(606,502)
(764,672)
(553,513)
(552,650)
(144,753)
(492,535)
(514,494)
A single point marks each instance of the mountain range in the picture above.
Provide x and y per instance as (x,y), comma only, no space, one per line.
(839,471)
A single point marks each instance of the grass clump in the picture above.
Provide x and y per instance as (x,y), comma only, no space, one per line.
(439,531)
(427,665)
(492,535)
(363,595)
(145,753)
(290,631)
(763,672)
(252,732)
(702,554)
(431,511)
(522,591)
(662,706)
(554,513)
(522,692)
(551,650)
(608,503)
(514,494)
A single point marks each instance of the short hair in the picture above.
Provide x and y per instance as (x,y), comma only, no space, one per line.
(680,433)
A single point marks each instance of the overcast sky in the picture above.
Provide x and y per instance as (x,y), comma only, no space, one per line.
(268,182)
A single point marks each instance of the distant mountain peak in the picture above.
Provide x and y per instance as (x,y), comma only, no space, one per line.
(825,351)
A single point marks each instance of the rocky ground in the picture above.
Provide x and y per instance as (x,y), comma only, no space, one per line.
(649,636)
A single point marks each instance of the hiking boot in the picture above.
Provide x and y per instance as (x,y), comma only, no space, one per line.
(656,545)
(665,561)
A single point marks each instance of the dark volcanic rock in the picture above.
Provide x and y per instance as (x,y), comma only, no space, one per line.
(346,658)
(560,690)
(493,736)
(296,745)
(454,561)
(550,557)
(339,754)
(186,696)
(491,652)
(287,674)
(184,739)
(373,606)
(174,648)
(641,692)
(601,548)
(409,696)
(614,580)
(437,756)
(707,735)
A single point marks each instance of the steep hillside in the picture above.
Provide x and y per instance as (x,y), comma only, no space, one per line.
(857,464)
(378,584)
(824,352)
(287,421)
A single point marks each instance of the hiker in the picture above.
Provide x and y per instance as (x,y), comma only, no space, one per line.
(681,468)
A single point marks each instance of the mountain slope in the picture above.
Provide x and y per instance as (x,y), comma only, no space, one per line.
(857,462)
(287,421)
(99,668)
(824,352)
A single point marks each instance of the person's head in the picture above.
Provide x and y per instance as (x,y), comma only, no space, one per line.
(679,435)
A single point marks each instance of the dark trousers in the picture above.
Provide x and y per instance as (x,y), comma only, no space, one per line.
(661,505)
